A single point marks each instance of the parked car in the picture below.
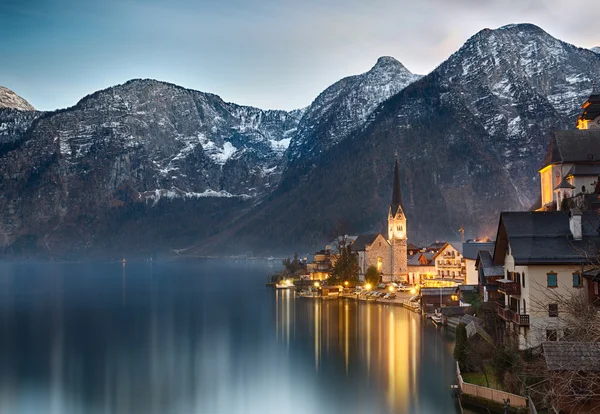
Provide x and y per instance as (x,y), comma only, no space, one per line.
(404,288)
(414,298)
(381,286)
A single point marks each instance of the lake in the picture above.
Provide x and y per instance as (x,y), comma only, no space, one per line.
(207,337)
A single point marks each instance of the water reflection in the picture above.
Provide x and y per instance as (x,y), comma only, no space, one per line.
(205,338)
(395,350)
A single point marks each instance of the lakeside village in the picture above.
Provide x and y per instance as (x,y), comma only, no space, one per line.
(525,308)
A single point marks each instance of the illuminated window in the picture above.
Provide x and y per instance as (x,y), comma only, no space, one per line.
(379,264)
(552,280)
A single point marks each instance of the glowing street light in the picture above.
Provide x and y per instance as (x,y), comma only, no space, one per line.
(413,291)
(316,284)
(391,288)
(368,286)
(346,283)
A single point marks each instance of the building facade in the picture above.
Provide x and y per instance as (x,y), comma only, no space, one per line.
(389,254)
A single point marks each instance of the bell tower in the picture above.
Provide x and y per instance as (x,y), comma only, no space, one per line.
(397,232)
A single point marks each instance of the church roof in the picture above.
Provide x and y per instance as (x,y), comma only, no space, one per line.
(591,107)
(363,241)
(396,191)
(584,170)
(580,145)
(564,184)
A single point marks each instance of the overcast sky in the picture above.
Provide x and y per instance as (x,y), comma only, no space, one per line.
(265,53)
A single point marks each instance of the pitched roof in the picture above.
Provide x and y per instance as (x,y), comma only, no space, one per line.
(415,259)
(489,269)
(545,238)
(584,170)
(580,145)
(363,241)
(470,250)
(564,184)
(572,356)
(458,246)
(591,107)
(412,247)
(396,191)
(432,291)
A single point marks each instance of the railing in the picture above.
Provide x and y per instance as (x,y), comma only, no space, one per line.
(511,316)
(509,288)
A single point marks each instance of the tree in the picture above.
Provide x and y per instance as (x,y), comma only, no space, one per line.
(461,346)
(372,276)
(345,268)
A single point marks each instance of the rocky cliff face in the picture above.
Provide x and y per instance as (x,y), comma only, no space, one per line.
(148,166)
(9,99)
(339,111)
(134,143)
(470,138)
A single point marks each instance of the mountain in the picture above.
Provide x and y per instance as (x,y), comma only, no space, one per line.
(340,110)
(124,149)
(595,49)
(9,99)
(470,137)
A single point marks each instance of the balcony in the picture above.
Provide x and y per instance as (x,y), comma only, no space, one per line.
(512,316)
(509,287)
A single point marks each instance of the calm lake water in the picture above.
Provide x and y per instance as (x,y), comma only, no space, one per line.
(204,337)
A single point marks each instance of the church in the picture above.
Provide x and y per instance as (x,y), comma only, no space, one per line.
(389,254)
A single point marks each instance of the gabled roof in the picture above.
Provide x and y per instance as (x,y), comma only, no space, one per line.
(412,247)
(580,145)
(458,246)
(545,238)
(363,241)
(591,107)
(572,356)
(484,259)
(396,192)
(584,170)
(433,291)
(415,260)
(564,185)
(470,250)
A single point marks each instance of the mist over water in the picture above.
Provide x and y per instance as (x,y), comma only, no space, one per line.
(206,337)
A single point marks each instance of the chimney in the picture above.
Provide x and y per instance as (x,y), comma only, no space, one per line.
(575,223)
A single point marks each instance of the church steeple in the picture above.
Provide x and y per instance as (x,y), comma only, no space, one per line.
(396,191)
(590,118)
(396,218)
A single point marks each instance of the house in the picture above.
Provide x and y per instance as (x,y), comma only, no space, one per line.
(421,267)
(569,174)
(544,255)
(470,251)
(593,285)
(435,297)
(388,253)
(488,274)
(435,247)
(322,264)
(573,372)
(449,262)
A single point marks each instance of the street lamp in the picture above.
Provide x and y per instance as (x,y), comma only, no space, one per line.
(368,286)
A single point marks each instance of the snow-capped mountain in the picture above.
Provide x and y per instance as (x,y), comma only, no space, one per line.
(342,108)
(9,99)
(470,137)
(140,141)
(596,49)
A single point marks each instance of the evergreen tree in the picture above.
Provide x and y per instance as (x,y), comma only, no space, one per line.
(372,276)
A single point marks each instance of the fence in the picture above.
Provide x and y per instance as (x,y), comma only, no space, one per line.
(489,393)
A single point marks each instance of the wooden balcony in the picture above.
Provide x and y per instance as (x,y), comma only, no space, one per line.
(512,316)
(509,287)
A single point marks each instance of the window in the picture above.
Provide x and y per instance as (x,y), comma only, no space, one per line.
(553,309)
(523,279)
(551,335)
(552,280)
(577,280)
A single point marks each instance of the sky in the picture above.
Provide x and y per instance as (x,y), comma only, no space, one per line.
(272,54)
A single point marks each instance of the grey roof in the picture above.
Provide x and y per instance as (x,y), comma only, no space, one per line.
(584,170)
(591,107)
(467,288)
(396,191)
(470,250)
(579,145)
(414,260)
(467,319)
(572,356)
(432,291)
(489,269)
(564,184)
(545,237)
(458,246)
(363,240)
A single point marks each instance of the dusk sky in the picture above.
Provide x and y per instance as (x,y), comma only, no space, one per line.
(266,53)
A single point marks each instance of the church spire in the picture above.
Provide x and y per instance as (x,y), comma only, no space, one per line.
(396,192)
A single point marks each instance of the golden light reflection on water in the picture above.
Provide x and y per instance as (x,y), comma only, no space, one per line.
(384,340)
